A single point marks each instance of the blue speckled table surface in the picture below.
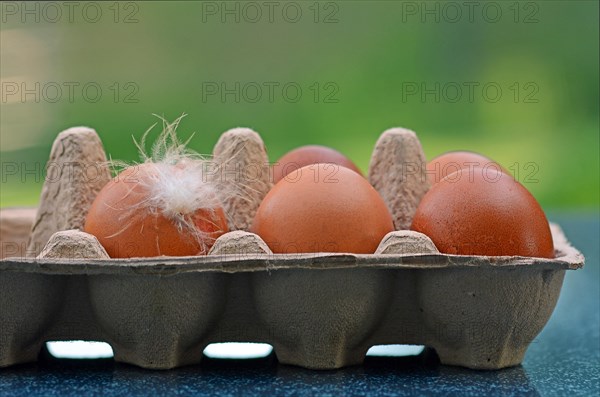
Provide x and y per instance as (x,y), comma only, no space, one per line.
(563,360)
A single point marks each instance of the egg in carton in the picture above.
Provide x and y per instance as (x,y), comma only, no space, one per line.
(318,310)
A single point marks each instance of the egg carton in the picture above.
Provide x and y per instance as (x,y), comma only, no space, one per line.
(317,310)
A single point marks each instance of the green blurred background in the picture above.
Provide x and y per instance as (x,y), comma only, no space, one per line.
(356,63)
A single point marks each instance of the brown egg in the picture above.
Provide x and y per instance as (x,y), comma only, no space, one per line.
(130,220)
(327,208)
(483,212)
(450,162)
(306,155)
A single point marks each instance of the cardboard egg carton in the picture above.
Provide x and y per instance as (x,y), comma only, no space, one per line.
(318,310)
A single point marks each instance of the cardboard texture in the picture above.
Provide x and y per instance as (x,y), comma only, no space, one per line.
(319,311)
(15,229)
(76,171)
